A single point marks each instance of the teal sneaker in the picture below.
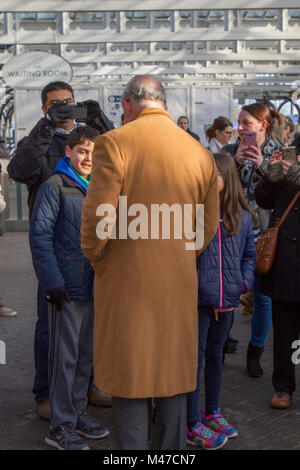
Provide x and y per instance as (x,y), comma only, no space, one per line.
(217,423)
(202,436)
(89,427)
(64,437)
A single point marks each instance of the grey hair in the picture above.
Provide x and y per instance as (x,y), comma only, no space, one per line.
(144,88)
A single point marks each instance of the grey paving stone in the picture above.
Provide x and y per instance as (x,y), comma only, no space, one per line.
(244,400)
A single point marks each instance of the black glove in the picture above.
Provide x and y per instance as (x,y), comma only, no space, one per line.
(57,297)
(59,113)
(96,118)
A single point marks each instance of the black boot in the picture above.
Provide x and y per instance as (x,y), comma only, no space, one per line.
(254,368)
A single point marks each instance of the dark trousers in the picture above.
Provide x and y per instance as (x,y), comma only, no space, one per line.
(41,351)
(131,423)
(41,348)
(286,329)
(70,359)
(212,334)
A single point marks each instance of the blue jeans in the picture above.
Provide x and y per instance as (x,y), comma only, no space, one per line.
(261,320)
(41,348)
(212,334)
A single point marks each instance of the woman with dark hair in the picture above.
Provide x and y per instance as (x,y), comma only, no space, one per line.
(252,162)
(183,122)
(219,134)
(282,283)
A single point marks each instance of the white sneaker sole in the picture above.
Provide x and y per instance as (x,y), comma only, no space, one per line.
(193,443)
(55,444)
(90,436)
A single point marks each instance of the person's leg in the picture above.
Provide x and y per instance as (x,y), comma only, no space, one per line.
(64,332)
(261,322)
(217,335)
(130,423)
(285,332)
(193,398)
(261,319)
(41,350)
(85,314)
(171,423)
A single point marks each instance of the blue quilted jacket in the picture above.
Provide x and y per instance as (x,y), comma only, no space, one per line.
(55,235)
(226,267)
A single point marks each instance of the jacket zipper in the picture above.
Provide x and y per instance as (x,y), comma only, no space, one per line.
(220,267)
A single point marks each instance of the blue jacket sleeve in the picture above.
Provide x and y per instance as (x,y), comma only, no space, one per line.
(42,226)
(249,256)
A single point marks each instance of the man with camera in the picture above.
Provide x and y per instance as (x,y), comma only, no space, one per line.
(34,162)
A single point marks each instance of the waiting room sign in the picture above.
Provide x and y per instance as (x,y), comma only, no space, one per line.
(36,69)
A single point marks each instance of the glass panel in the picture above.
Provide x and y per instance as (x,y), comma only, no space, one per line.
(47,16)
(294,13)
(162,14)
(28,16)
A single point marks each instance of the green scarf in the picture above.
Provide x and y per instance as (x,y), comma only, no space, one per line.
(85,181)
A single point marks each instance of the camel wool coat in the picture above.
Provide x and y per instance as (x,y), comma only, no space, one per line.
(145,289)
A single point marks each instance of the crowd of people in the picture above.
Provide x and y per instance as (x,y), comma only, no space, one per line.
(129,322)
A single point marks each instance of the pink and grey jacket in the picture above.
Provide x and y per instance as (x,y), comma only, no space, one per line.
(226,267)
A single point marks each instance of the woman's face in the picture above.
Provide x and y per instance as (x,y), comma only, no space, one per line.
(287,134)
(225,135)
(247,122)
(183,123)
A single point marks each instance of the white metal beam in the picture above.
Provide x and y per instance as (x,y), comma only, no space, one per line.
(134,5)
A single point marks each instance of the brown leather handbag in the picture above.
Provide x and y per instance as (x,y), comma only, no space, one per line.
(267,243)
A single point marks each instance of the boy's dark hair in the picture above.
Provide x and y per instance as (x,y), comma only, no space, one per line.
(80,134)
(54,86)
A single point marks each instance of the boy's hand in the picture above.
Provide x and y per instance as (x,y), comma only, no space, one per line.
(57,297)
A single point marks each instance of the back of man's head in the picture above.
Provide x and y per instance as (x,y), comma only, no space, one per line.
(145,88)
(52,86)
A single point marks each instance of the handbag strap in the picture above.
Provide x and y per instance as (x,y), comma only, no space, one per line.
(280,221)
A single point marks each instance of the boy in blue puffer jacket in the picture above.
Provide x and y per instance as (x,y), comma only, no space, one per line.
(66,278)
(225,271)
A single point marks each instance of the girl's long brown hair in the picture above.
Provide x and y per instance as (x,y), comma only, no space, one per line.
(232,199)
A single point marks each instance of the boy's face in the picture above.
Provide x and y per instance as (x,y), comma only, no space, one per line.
(81,157)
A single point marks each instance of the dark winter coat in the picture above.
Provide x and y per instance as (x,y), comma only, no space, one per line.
(226,267)
(37,155)
(275,192)
(55,235)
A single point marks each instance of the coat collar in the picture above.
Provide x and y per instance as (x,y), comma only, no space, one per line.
(153,111)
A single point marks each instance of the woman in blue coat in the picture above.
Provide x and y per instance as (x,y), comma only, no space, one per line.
(225,271)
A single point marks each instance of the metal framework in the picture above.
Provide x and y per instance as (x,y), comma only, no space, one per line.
(256,51)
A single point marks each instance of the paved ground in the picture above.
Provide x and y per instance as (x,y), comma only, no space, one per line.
(244,400)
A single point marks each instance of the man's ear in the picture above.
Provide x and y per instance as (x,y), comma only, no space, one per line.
(127,106)
(44,108)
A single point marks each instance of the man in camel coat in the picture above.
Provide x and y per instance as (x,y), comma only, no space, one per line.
(145,333)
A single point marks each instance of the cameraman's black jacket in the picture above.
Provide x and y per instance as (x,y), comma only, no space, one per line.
(37,155)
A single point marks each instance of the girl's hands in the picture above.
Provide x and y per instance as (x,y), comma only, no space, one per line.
(285,166)
(240,157)
(275,157)
(253,154)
